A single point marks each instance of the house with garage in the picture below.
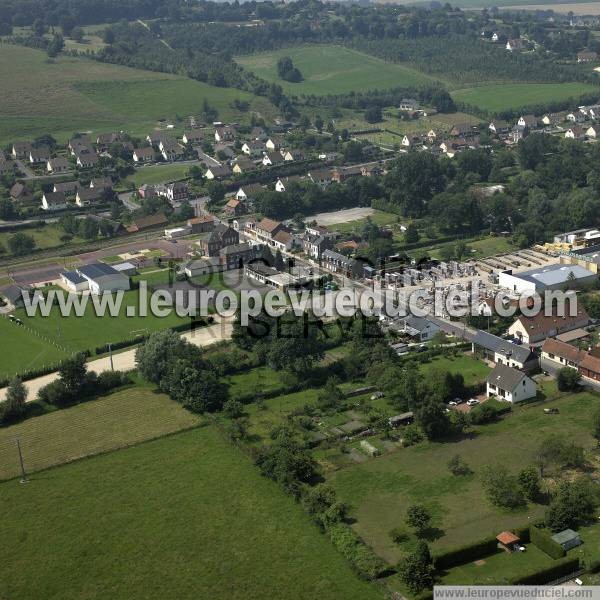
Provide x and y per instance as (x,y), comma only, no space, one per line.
(54,201)
(272,159)
(254,148)
(170,150)
(89,196)
(225,133)
(57,165)
(39,155)
(87,160)
(510,384)
(218,172)
(500,351)
(419,329)
(143,155)
(249,192)
(193,136)
(21,149)
(95,278)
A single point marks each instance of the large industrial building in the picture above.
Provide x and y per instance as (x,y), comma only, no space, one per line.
(95,278)
(554,277)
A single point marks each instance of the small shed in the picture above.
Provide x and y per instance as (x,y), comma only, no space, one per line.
(507,540)
(567,539)
(126,268)
(401,419)
(369,448)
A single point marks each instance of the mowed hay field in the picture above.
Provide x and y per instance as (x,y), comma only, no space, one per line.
(503,97)
(123,418)
(380,490)
(330,69)
(77,94)
(186,517)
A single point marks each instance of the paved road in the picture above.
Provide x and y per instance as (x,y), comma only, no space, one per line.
(125,361)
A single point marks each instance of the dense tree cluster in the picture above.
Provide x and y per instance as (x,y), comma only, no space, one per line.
(178,369)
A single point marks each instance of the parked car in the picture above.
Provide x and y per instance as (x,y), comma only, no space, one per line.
(377,395)
(456,402)
(551,411)
(472,402)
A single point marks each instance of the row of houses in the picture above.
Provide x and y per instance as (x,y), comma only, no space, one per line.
(66,193)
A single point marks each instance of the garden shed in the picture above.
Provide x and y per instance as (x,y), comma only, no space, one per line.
(567,539)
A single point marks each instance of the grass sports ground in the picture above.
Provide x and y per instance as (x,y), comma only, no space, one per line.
(330,69)
(194,520)
(504,97)
(72,94)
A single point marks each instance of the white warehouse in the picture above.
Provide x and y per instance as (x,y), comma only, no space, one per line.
(554,277)
(95,278)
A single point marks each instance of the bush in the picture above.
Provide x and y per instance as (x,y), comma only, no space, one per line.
(543,540)
(463,554)
(362,559)
(55,393)
(567,379)
(109,380)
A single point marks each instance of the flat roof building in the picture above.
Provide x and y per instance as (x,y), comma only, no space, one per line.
(554,277)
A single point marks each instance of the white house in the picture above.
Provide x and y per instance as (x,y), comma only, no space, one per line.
(57,165)
(510,384)
(143,155)
(54,201)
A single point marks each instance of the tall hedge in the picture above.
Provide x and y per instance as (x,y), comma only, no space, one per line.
(362,559)
(463,554)
(542,539)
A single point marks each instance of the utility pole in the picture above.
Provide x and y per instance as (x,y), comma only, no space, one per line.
(112,367)
(23,472)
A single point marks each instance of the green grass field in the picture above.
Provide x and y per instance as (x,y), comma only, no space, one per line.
(381,490)
(45,237)
(159,174)
(27,351)
(183,517)
(473,370)
(31,346)
(76,94)
(330,69)
(503,97)
(124,418)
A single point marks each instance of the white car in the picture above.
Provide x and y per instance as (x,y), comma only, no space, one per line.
(472,402)
(455,402)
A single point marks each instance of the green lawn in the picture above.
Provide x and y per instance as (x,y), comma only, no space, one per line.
(85,333)
(503,97)
(472,369)
(484,247)
(380,490)
(120,419)
(159,174)
(379,217)
(330,69)
(27,350)
(45,237)
(183,517)
(76,94)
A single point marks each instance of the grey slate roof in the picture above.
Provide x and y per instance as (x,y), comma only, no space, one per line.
(493,343)
(505,377)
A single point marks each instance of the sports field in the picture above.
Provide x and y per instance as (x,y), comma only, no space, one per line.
(185,517)
(124,418)
(32,345)
(330,69)
(503,97)
(76,94)
(159,173)
(381,490)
